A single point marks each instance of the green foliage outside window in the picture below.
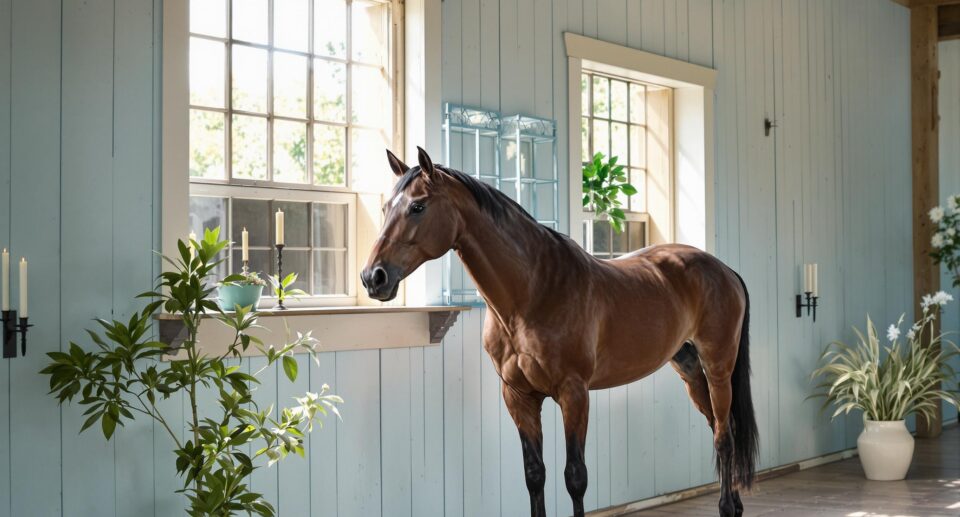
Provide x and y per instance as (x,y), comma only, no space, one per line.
(603,183)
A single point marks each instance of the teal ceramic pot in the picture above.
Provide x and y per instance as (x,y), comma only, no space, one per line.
(230,296)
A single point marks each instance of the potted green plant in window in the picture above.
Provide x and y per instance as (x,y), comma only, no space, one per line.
(603,184)
(888,383)
(241,290)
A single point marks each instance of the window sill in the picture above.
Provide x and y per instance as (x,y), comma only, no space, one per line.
(337,328)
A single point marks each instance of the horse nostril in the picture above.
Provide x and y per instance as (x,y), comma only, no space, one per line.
(379,277)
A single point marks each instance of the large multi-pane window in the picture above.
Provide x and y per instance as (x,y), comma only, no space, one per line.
(614,122)
(291,106)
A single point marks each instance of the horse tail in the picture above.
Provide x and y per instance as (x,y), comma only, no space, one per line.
(743,420)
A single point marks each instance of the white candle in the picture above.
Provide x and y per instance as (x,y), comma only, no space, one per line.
(814,279)
(6,279)
(806,278)
(280,227)
(245,240)
(23,287)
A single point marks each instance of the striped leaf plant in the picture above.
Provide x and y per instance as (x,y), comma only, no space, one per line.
(888,381)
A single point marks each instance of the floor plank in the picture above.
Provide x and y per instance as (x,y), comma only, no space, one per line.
(932,489)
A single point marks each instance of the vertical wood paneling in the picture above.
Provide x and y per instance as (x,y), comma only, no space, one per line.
(322,450)
(358,458)
(6,56)
(395,374)
(35,69)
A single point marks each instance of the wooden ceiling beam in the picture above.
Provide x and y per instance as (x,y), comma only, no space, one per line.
(948,22)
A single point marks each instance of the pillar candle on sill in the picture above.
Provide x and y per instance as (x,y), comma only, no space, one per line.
(23,287)
(806,278)
(192,237)
(245,244)
(279,218)
(5,279)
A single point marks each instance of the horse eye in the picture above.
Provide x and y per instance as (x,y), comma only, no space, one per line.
(417,208)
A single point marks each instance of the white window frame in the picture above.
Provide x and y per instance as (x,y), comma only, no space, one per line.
(692,127)
(416,25)
(302,196)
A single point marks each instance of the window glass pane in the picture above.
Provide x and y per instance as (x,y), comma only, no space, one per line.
(249,79)
(297,261)
(634,233)
(329,225)
(207,75)
(620,242)
(618,100)
(585,94)
(584,139)
(289,85)
(255,216)
(290,152)
(618,142)
(290,23)
(601,137)
(330,28)
(296,223)
(207,141)
(249,147)
(637,104)
(601,237)
(208,213)
(366,158)
(250,20)
(371,97)
(369,32)
(263,263)
(329,272)
(208,17)
(638,201)
(329,155)
(601,101)
(329,90)
(638,147)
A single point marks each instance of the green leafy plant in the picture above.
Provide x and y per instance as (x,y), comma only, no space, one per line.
(946,238)
(282,288)
(890,382)
(603,183)
(124,377)
(251,278)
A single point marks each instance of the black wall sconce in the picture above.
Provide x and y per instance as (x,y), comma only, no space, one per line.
(14,324)
(810,296)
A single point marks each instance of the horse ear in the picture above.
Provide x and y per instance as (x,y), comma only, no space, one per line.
(426,164)
(399,168)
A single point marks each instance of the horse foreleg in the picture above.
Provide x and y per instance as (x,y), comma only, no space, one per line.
(525,409)
(574,402)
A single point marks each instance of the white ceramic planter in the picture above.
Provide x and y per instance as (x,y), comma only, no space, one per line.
(886,449)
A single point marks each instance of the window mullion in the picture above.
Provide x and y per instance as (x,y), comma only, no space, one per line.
(311,177)
(348,136)
(270,51)
(228,96)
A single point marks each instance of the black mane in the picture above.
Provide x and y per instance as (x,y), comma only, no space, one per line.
(490,200)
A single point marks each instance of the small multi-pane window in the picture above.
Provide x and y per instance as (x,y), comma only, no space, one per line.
(291,106)
(613,121)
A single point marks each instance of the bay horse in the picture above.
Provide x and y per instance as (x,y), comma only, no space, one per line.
(561,322)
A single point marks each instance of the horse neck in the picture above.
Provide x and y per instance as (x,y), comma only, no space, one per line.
(505,259)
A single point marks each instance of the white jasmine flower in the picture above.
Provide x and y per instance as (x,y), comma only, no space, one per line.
(937,240)
(951,232)
(911,334)
(936,214)
(893,333)
(940,298)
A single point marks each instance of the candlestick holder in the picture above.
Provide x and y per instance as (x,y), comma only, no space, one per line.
(246,267)
(811,304)
(279,306)
(12,325)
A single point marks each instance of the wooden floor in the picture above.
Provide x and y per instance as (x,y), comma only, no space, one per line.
(932,488)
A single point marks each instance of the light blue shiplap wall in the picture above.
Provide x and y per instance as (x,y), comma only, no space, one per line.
(424,429)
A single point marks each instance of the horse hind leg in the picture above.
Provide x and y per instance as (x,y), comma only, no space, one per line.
(686,362)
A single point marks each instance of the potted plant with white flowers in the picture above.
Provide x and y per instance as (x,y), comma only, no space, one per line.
(946,238)
(889,382)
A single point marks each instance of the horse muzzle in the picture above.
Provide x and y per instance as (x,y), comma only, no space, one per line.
(382,281)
